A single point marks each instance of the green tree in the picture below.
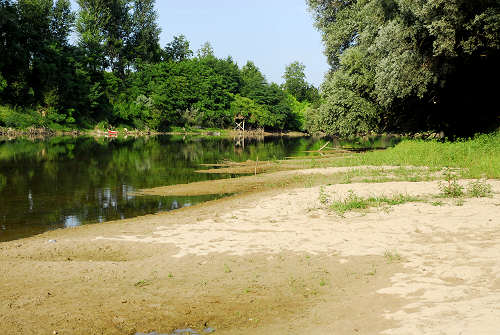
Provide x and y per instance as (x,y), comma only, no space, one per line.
(205,51)
(296,84)
(178,50)
(145,34)
(295,80)
(422,64)
(254,82)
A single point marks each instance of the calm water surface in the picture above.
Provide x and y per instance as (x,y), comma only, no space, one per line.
(65,182)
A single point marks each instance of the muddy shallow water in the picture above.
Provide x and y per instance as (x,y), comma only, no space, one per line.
(66,181)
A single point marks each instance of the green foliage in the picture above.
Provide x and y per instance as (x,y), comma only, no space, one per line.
(351,202)
(479,189)
(348,106)
(296,84)
(404,65)
(355,202)
(206,51)
(450,187)
(178,49)
(22,119)
(118,73)
(3,83)
(477,157)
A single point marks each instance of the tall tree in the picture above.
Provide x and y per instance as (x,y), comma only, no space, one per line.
(145,39)
(178,50)
(92,19)
(417,64)
(254,82)
(296,84)
(205,51)
(62,22)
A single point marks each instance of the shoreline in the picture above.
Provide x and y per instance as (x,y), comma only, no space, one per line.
(268,261)
(41,133)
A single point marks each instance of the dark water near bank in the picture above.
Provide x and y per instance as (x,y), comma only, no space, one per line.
(65,181)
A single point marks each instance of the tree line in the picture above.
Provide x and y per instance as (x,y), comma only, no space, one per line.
(408,66)
(103,65)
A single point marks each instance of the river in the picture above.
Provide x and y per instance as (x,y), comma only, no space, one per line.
(63,182)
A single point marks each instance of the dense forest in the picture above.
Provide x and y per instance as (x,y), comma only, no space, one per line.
(103,66)
(408,66)
(396,66)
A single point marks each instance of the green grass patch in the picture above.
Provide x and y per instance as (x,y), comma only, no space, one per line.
(356,202)
(478,157)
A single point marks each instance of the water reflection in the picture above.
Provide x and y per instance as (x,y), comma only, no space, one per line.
(65,182)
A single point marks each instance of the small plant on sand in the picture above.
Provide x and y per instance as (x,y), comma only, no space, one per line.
(372,272)
(437,203)
(353,201)
(450,186)
(324,198)
(396,199)
(227,269)
(479,189)
(392,256)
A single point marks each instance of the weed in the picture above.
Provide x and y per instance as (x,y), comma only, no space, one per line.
(308,183)
(373,272)
(459,202)
(479,189)
(142,283)
(353,201)
(392,256)
(450,187)
(227,269)
(324,199)
(397,199)
(322,282)
(347,179)
(437,203)
(170,275)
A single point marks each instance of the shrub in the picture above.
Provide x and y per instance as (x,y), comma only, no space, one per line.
(479,189)
(450,187)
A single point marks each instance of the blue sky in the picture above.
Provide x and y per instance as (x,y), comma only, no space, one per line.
(271,33)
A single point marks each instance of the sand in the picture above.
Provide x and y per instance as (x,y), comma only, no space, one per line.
(272,262)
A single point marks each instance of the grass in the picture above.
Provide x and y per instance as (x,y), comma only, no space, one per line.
(478,157)
(479,189)
(355,202)
(392,256)
(450,187)
(351,202)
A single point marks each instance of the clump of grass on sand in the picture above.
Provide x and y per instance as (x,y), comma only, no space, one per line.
(392,256)
(479,189)
(356,202)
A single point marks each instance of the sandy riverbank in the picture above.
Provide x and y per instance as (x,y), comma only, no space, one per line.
(270,262)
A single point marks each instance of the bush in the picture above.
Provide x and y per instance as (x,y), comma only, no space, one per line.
(479,189)
(450,187)
(21,118)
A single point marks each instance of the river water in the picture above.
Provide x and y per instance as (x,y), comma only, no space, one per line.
(66,181)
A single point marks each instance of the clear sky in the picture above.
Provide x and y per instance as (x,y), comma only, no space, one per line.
(271,33)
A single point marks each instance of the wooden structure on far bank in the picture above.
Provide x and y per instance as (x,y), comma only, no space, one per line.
(239,121)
